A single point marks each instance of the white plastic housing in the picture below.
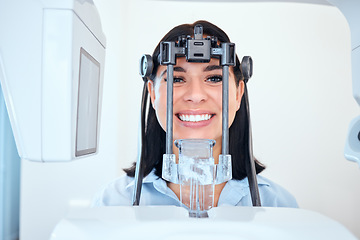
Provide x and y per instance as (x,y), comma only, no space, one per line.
(355,62)
(352,146)
(41,48)
(170,222)
(350,9)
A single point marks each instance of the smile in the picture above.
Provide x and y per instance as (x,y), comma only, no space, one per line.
(194,118)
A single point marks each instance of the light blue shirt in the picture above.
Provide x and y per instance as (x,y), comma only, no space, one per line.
(156,192)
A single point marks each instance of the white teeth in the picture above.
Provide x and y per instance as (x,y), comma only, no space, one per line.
(194,118)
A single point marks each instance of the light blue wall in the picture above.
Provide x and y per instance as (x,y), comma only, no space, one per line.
(9,178)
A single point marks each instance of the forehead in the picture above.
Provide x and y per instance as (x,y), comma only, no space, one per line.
(183,66)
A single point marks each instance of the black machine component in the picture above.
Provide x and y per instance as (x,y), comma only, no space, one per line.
(146,65)
(199,49)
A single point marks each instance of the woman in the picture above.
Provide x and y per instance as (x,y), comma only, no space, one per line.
(197,113)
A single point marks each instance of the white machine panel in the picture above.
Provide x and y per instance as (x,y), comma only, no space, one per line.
(350,10)
(71,86)
(51,72)
(170,222)
(355,59)
(88,105)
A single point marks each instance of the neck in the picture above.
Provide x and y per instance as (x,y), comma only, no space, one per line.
(217,191)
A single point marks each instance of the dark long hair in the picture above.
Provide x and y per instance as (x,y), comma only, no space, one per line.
(153,136)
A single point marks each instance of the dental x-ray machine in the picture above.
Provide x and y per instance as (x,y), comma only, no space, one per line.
(59,94)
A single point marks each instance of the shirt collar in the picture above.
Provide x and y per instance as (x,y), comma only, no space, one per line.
(231,194)
(158,183)
(235,190)
(150,178)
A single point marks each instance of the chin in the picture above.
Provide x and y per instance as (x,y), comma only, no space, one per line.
(185,133)
(195,137)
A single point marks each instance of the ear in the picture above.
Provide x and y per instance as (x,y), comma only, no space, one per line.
(150,88)
(239,93)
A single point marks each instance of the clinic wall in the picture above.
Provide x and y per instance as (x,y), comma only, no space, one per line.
(300,94)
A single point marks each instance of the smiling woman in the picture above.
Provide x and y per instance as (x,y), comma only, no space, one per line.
(197,111)
(197,100)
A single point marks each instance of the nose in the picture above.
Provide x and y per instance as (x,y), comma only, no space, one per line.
(195,92)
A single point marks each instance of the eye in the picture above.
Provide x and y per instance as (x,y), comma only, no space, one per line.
(176,80)
(214,79)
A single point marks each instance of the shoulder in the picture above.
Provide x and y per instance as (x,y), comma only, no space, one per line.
(274,195)
(116,193)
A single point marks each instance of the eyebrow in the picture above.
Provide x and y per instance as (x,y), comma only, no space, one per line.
(212,67)
(176,69)
(207,69)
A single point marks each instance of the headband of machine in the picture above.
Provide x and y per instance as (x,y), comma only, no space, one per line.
(196,49)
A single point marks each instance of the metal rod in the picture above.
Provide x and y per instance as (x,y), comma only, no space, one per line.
(138,183)
(254,189)
(138,169)
(253,184)
(169,109)
(225,111)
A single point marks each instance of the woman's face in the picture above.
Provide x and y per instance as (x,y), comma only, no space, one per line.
(197,100)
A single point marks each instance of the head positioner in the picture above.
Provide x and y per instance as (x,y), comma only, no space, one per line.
(194,49)
(197,49)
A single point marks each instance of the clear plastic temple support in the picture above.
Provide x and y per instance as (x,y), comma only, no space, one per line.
(197,173)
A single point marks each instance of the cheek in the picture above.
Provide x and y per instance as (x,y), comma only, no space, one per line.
(234,104)
(159,105)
